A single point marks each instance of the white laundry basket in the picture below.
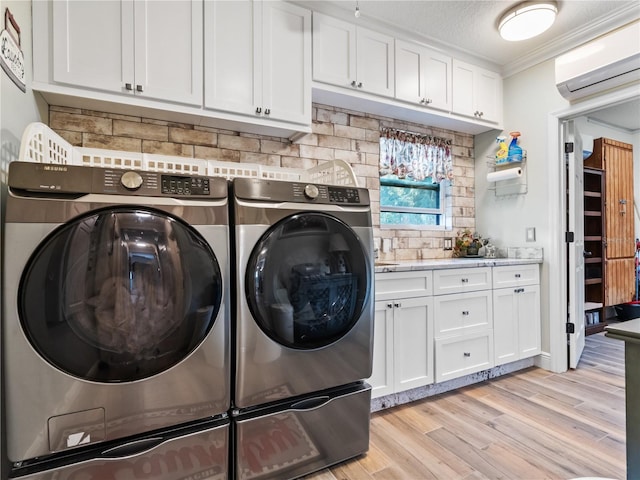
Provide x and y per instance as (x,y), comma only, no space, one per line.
(40,144)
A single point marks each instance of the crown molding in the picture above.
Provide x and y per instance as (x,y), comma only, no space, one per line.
(571,40)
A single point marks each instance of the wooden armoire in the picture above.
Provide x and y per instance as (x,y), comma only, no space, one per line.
(616,159)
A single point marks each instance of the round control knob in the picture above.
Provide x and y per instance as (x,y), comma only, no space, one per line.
(311,191)
(131,180)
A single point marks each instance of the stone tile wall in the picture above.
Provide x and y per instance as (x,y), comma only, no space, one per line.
(336,134)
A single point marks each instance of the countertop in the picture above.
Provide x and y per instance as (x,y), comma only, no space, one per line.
(382,266)
(628,331)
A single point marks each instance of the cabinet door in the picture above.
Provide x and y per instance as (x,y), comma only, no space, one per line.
(413,343)
(505,325)
(463,354)
(286,62)
(232,69)
(438,85)
(458,280)
(529,321)
(168,50)
(476,92)
(460,313)
(516,275)
(93,44)
(375,62)
(422,75)
(410,72)
(516,323)
(463,90)
(334,51)
(381,379)
(488,95)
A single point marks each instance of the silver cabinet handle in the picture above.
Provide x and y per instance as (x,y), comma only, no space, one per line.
(353,83)
(467,354)
(359,84)
(139,88)
(267,111)
(258,110)
(517,275)
(128,86)
(397,305)
(389,305)
(465,312)
(465,280)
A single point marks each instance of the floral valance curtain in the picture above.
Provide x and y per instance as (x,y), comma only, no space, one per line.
(411,156)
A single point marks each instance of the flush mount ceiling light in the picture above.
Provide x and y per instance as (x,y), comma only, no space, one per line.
(526,20)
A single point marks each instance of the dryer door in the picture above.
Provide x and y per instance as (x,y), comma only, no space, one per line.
(307,280)
(120,294)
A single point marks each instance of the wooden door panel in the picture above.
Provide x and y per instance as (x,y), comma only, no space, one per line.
(620,284)
(620,230)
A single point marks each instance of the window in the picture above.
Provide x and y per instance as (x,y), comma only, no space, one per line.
(415,186)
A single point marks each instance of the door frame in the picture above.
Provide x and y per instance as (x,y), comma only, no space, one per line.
(558,302)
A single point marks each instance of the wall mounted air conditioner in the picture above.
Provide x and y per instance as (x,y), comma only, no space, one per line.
(601,64)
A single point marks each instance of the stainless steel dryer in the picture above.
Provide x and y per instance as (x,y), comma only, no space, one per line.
(116,305)
(304,280)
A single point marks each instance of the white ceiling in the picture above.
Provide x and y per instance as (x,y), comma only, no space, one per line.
(469,29)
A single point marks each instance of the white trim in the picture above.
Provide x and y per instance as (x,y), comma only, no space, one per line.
(543,361)
(557,224)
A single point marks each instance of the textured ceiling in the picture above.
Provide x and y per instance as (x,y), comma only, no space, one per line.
(471,26)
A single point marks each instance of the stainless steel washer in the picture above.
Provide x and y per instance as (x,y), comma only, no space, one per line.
(304,281)
(116,305)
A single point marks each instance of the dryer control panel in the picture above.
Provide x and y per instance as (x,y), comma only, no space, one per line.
(282,191)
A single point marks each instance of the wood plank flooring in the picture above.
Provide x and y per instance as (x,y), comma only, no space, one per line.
(532,424)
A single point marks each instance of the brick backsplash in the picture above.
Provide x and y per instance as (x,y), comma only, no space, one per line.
(336,134)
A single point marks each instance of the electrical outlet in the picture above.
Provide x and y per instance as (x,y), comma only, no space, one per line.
(447,243)
(531,234)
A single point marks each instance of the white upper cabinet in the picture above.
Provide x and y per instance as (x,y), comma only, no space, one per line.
(147,48)
(258,59)
(477,92)
(422,76)
(352,57)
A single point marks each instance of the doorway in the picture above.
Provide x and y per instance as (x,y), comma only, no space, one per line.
(600,117)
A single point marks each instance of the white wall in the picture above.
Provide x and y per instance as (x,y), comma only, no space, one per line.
(529,96)
(17,110)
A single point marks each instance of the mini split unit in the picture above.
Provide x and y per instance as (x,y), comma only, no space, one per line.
(607,62)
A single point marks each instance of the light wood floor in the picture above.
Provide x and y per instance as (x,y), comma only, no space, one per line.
(529,425)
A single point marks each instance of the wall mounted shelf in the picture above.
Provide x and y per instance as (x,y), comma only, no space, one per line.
(510,186)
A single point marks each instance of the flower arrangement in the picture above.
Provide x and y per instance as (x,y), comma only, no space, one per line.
(467,243)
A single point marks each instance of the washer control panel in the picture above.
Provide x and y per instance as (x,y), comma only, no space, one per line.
(179,185)
(344,195)
(325,193)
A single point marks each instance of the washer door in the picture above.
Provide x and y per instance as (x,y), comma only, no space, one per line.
(307,280)
(120,294)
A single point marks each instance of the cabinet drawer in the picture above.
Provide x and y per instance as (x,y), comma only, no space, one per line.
(464,354)
(458,280)
(463,313)
(392,285)
(516,275)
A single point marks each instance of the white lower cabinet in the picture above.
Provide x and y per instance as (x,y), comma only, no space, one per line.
(403,337)
(460,355)
(434,326)
(516,323)
(463,310)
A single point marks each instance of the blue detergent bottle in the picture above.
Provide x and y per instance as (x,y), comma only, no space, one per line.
(515,151)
